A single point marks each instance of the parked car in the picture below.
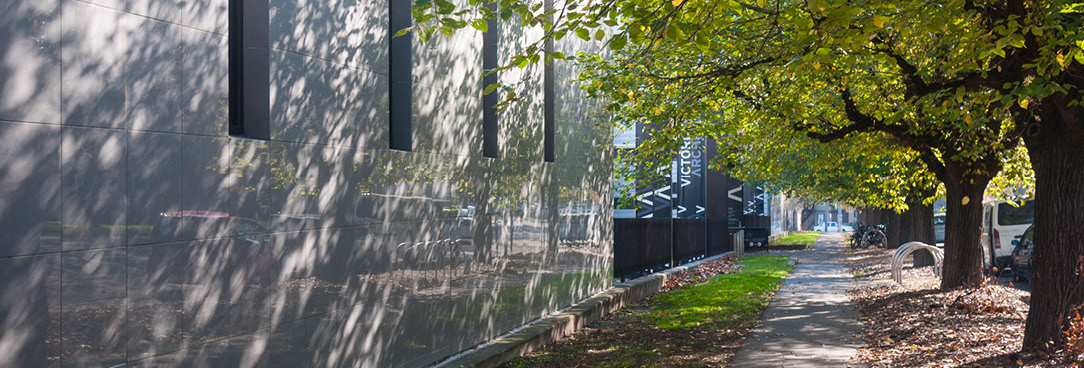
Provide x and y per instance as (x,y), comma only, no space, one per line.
(939,227)
(823,227)
(1001,224)
(1021,255)
(832,227)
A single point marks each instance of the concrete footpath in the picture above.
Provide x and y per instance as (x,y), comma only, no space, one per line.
(809,322)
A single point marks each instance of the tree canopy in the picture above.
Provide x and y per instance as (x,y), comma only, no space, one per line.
(957,83)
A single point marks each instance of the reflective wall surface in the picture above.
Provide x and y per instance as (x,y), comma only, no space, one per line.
(134,230)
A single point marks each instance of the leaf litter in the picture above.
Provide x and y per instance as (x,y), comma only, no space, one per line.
(915,324)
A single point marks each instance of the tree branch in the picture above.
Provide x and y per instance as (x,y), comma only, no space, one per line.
(728,71)
(918,87)
(934,165)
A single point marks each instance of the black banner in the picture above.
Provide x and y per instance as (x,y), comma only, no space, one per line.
(735,202)
(653,200)
(754,199)
(689,196)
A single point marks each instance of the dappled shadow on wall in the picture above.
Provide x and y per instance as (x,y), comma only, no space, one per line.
(329,72)
(182,247)
(446,78)
(313,255)
(376,257)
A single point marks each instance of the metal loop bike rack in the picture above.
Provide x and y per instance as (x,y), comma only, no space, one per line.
(906,249)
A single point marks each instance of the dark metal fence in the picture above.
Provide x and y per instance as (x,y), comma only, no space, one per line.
(718,237)
(644,246)
(690,240)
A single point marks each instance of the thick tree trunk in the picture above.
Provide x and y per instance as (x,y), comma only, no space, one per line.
(1058,283)
(905,226)
(892,229)
(920,217)
(872,216)
(963,228)
(916,224)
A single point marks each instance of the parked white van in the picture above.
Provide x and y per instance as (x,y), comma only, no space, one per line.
(1001,224)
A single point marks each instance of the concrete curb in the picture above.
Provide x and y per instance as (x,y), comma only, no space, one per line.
(561,325)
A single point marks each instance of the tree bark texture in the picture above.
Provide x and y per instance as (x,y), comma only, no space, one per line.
(872,216)
(917,225)
(1054,146)
(892,229)
(963,227)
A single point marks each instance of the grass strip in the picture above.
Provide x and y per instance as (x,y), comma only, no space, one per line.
(725,301)
(799,238)
(697,326)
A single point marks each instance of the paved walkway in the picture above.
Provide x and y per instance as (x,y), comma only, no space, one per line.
(810,322)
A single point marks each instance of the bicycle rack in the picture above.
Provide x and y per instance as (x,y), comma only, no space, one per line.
(906,250)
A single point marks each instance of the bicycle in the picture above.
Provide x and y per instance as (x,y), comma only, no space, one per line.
(856,236)
(874,236)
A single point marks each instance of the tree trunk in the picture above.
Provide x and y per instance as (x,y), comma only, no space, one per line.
(905,226)
(918,222)
(892,229)
(1057,285)
(963,227)
(871,216)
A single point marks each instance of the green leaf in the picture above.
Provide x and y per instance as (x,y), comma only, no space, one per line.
(823,51)
(558,55)
(618,42)
(402,32)
(490,88)
(583,34)
(480,24)
(635,33)
(703,42)
(426,33)
(674,33)
(518,60)
(599,35)
(444,7)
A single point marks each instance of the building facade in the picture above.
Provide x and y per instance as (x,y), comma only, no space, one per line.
(186,184)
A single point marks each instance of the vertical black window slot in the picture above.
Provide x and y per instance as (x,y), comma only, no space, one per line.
(489,101)
(547,98)
(249,69)
(400,135)
(236,60)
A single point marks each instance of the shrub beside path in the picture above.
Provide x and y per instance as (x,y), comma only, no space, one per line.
(810,322)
